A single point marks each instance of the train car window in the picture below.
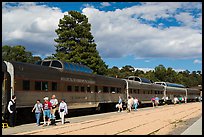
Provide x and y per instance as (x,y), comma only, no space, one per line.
(26,84)
(56,64)
(69,88)
(82,89)
(76,88)
(76,67)
(112,89)
(81,68)
(45,86)
(88,89)
(46,63)
(105,89)
(54,86)
(37,85)
(145,80)
(96,88)
(131,78)
(118,90)
(130,91)
(38,63)
(137,79)
(72,67)
(66,66)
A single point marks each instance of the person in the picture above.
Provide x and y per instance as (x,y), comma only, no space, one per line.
(136,103)
(185,98)
(63,110)
(156,101)
(12,111)
(129,107)
(120,104)
(175,100)
(180,99)
(47,107)
(38,107)
(54,103)
(153,101)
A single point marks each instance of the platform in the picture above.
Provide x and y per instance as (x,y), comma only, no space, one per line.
(194,129)
(146,121)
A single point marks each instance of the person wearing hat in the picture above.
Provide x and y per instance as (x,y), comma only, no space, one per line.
(54,103)
(63,110)
(47,107)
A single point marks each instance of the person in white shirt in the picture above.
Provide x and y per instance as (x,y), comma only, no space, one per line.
(129,104)
(63,110)
(54,103)
(12,111)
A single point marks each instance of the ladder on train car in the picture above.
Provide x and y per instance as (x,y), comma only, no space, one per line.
(5,125)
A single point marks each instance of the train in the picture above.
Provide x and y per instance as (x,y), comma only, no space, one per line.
(79,86)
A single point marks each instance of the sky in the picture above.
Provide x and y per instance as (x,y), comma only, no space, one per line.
(141,34)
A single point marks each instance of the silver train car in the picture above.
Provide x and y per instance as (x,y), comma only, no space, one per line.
(72,82)
(172,90)
(77,85)
(143,89)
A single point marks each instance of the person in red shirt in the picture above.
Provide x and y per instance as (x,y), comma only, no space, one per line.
(47,107)
(153,101)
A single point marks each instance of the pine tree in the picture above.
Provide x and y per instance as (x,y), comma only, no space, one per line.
(76,43)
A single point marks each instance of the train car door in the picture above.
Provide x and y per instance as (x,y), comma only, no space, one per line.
(6,91)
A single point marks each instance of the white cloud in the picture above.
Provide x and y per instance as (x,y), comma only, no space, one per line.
(105,4)
(144,69)
(196,61)
(30,25)
(117,34)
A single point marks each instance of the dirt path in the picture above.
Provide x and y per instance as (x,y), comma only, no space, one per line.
(163,120)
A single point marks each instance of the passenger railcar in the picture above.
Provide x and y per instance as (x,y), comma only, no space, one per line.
(143,89)
(193,94)
(5,80)
(72,82)
(78,86)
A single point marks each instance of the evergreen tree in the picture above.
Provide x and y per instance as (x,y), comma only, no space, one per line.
(76,43)
(16,53)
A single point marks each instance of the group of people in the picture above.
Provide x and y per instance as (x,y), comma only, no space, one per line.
(155,101)
(179,100)
(48,108)
(132,103)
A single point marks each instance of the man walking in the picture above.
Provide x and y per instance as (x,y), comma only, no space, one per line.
(12,111)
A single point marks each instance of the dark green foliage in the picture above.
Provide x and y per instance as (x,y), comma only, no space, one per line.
(76,43)
(16,53)
(160,73)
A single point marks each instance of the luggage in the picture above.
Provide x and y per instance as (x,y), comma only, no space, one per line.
(52,122)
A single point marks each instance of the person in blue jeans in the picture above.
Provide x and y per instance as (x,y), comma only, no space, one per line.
(38,107)
(136,103)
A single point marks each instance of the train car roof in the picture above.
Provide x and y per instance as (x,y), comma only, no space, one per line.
(168,84)
(4,67)
(139,79)
(67,66)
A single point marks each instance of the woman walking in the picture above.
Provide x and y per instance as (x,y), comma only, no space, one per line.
(63,110)
(38,107)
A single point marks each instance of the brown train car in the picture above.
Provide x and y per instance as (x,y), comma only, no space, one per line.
(143,89)
(74,83)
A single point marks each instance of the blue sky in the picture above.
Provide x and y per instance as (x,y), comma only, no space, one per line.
(143,35)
